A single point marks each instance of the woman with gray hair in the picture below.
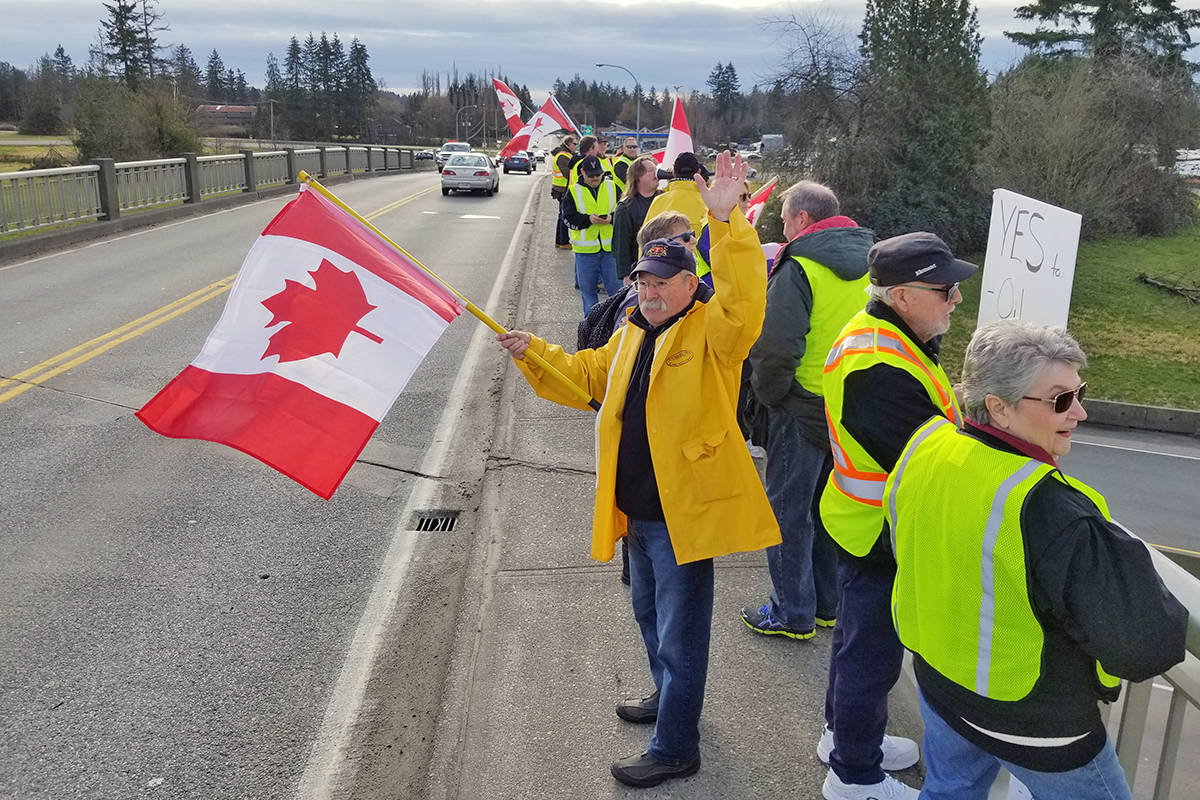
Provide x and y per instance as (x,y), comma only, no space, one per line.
(1022,601)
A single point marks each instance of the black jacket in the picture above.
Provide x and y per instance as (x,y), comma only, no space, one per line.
(780,347)
(1097,596)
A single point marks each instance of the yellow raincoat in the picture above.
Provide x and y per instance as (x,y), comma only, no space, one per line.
(712,498)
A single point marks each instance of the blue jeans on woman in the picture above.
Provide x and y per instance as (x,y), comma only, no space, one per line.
(593,268)
(803,565)
(956,769)
(673,605)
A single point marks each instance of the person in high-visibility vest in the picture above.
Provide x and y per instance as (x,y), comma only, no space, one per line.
(1022,601)
(817,285)
(587,147)
(621,161)
(560,161)
(588,209)
(631,213)
(881,381)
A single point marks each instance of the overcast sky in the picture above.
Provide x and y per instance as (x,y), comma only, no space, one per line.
(664,42)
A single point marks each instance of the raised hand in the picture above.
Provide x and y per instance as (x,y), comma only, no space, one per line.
(728,183)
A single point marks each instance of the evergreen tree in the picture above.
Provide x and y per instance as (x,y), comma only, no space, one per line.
(63,64)
(361,89)
(186,73)
(122,42)
(14,88)
(44,113)
(214,80)
(150,22)
(1107,28)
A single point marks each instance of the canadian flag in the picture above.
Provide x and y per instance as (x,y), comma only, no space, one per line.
(324,326)
(679,138)
(510,105)
(549,118)
(758,200)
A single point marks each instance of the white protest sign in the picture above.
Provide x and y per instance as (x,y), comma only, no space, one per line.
(1030,261)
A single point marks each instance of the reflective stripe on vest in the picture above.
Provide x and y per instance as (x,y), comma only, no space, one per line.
(851,503)
(961,597)
(593,238)
(560,177)
(621,159)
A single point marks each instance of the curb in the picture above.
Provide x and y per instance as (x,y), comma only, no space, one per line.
(1146,418)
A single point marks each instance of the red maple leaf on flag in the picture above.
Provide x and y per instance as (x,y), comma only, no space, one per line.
(319,320)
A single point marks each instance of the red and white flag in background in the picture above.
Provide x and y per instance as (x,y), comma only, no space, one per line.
(758,200)
(510,105)
(324,326)
(679,139)
(549,118)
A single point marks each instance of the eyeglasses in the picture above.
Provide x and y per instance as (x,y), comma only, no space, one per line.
(641,284)
(686,236)
(630,146)
(744,197)
(946,290)
(1063,400)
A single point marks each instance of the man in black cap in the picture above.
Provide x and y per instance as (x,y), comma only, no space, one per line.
(672,476)
(882,380)
(588,208)
(681,194)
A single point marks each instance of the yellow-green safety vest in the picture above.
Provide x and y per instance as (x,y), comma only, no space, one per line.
(560,177)
(961,598)
(852,502)
(593,238)
(621,159)
(834,302)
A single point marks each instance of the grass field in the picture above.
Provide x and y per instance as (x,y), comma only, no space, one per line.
(1142,342)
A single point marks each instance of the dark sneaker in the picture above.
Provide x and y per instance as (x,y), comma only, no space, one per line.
(761,621)
(825,622)
(646,770)
(640,711)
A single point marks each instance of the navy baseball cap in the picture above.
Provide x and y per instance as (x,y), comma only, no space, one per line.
(918,256)
(591,166)
(665,258)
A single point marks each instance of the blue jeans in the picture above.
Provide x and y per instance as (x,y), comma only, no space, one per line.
(592,268)
(804,565)
(956,769)
(864,665)
(673,606)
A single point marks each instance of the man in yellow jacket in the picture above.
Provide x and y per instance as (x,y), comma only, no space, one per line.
(673,473)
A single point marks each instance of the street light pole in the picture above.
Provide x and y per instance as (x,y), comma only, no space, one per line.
(456,113)
(637,89)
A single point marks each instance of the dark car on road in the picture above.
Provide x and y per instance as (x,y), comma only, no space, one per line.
(424,155)
(518,162)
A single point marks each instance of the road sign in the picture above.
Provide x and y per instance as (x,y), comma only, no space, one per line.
(1030,261)
(586,130)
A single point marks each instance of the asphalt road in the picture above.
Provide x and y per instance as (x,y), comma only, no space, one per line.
(175,616)
(177,620)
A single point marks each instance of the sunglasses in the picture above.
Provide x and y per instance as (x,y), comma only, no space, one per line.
(686,236)
(744,197)
(946,290)
(1063,400)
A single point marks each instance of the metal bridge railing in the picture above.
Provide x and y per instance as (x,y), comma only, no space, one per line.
(41,198)
(38,199)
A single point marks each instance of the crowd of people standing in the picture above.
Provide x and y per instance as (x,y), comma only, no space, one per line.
(898,509)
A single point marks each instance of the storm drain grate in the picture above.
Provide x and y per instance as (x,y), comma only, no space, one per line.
(440,521)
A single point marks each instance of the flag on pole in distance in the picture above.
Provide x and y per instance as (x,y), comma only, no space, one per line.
(679,138)
(562,116)
(758,200)
(510,105)
(324,326)
(548,119)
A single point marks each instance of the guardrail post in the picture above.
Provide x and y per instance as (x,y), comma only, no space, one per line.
(406,159)
(191,178)
(291,164)
(370,159)
(251,172)
(110,200)
(324,163)
(346,150)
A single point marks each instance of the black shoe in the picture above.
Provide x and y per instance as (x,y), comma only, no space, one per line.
(761,621)
(645,770)
(641,711)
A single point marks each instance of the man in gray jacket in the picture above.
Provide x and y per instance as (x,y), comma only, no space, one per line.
(818,283)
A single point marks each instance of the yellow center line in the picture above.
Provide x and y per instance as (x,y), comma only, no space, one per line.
(68,359)
(1182,550)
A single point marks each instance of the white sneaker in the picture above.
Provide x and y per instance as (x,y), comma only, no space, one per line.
(898,752)
(888,789)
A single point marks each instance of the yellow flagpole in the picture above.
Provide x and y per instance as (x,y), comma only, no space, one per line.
(574,388)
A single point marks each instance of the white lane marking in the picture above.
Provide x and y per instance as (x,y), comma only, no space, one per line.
(434,213)
(477,216)
(321,774)
(1136,450)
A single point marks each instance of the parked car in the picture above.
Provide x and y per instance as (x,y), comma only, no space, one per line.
(470,172)
(518,162)
(540,155)
(449,149)
(425,155)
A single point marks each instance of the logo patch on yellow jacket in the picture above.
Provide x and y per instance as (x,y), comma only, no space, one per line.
(680,358)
